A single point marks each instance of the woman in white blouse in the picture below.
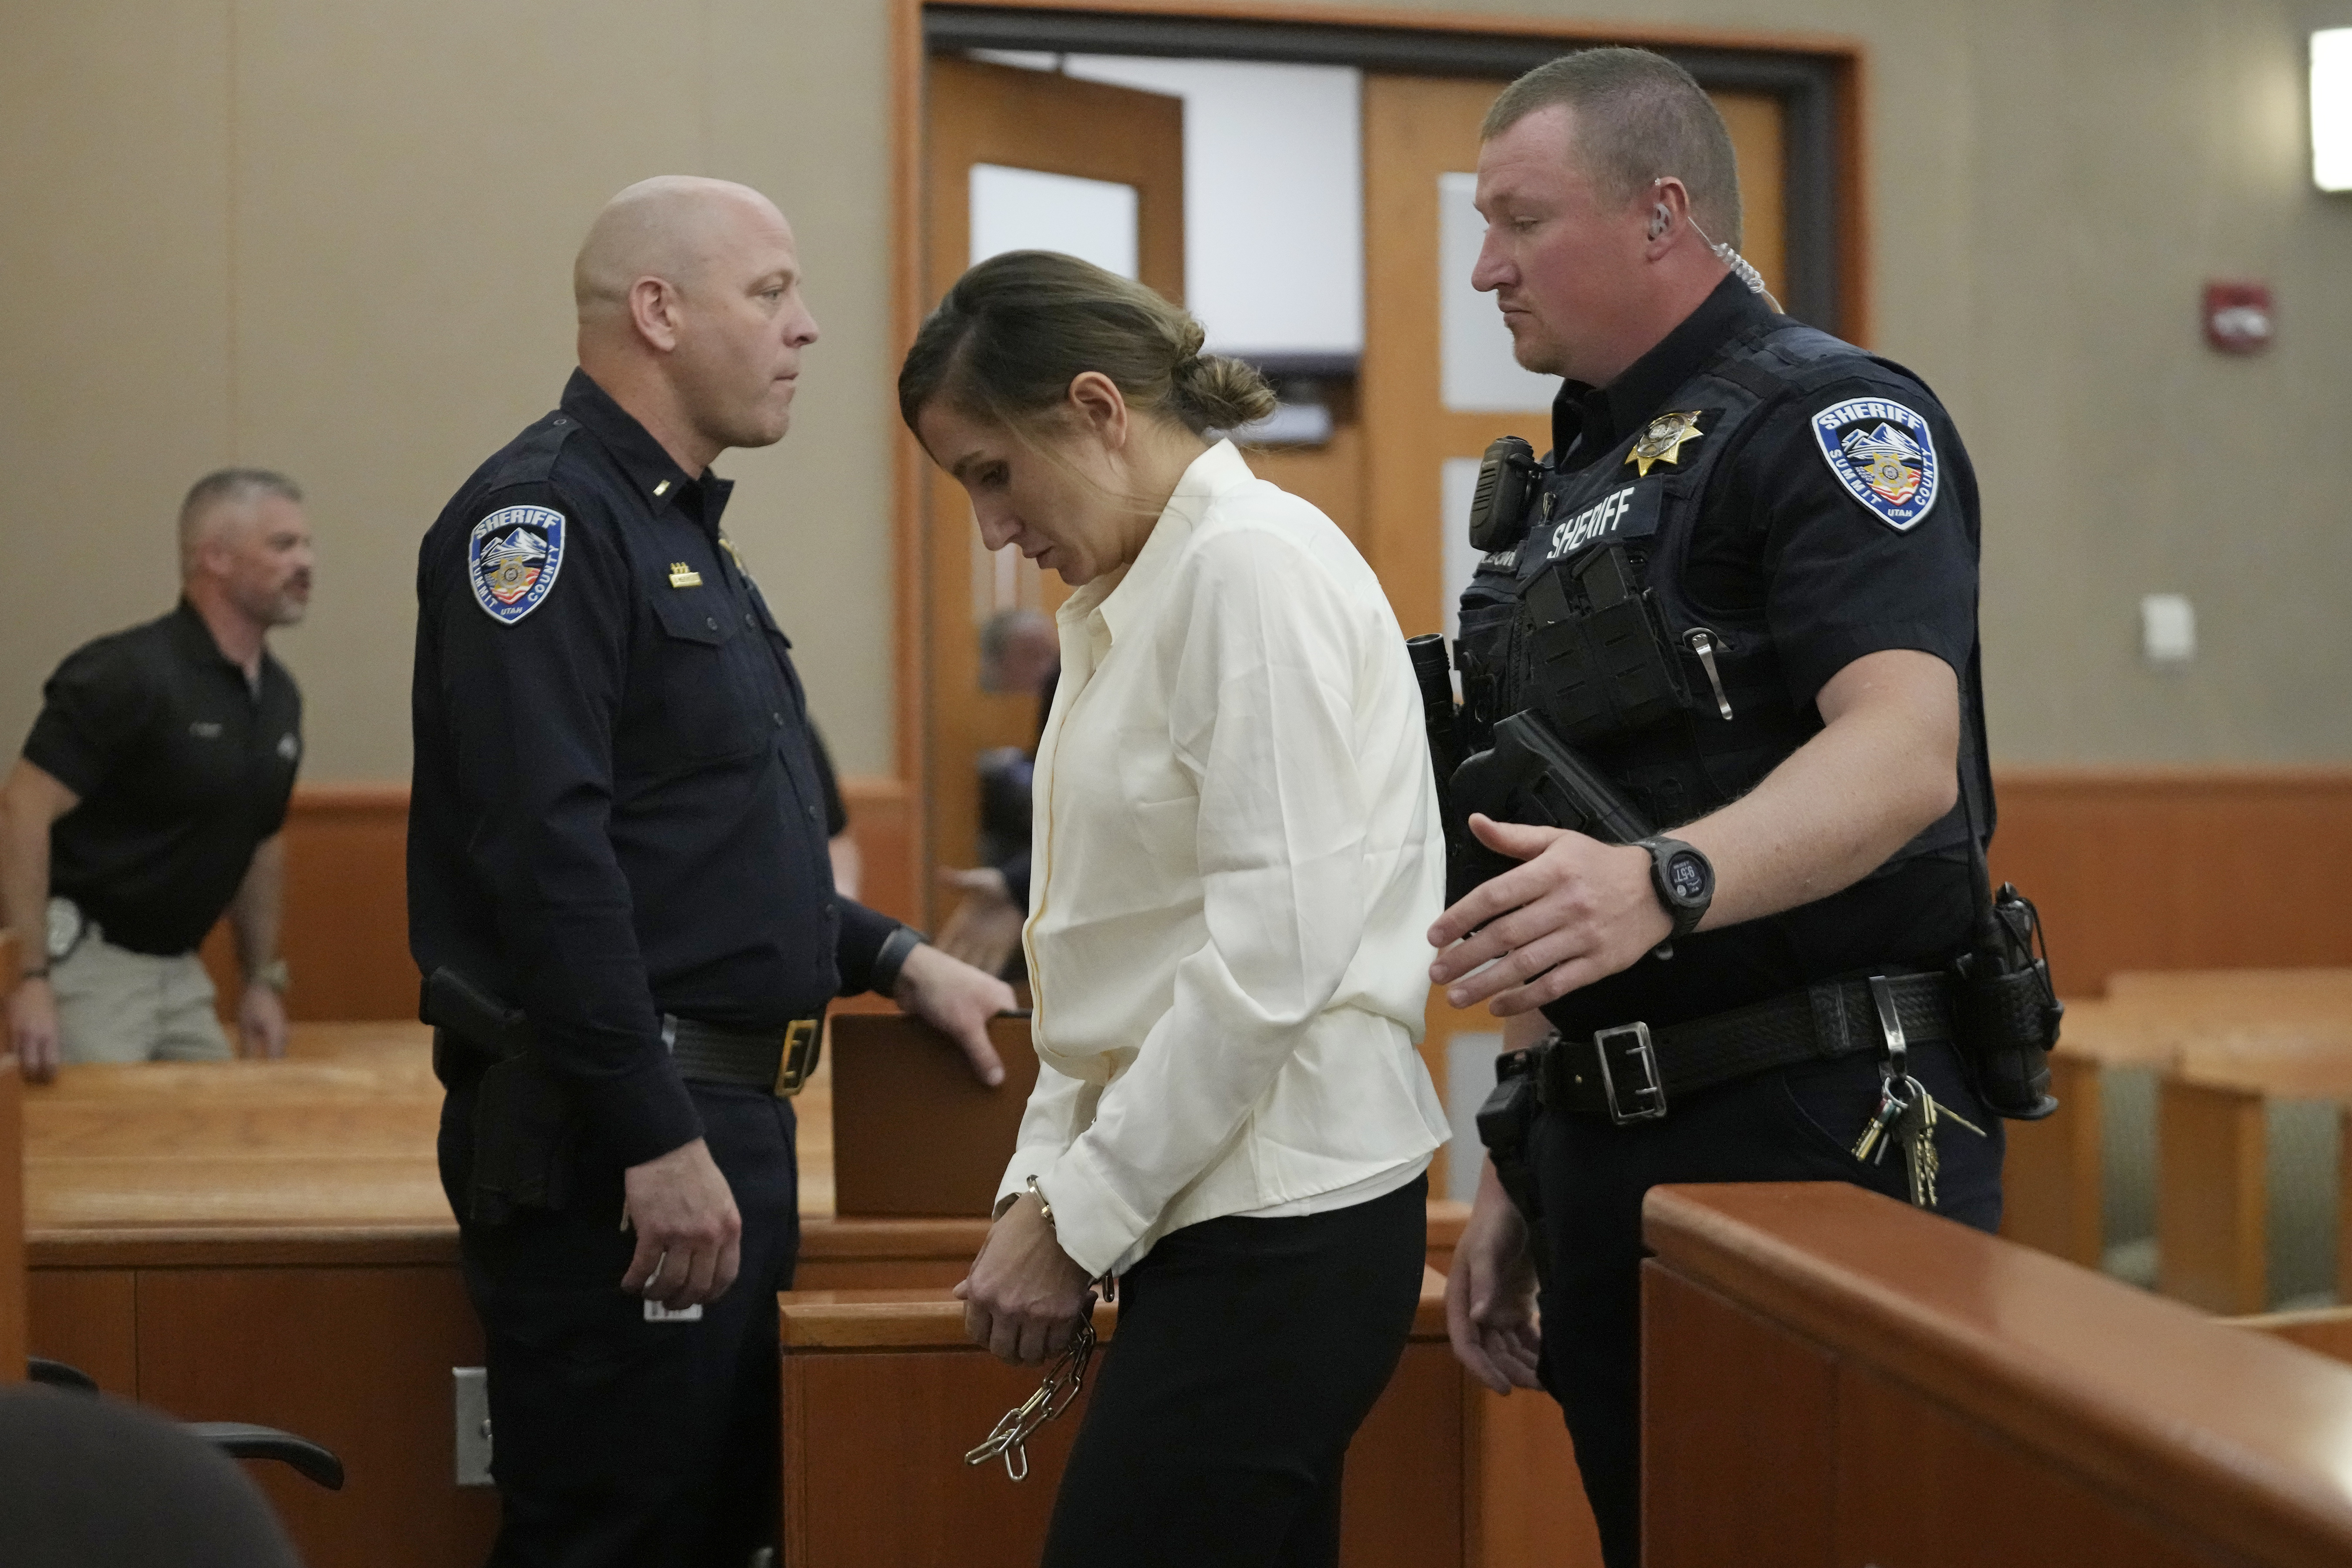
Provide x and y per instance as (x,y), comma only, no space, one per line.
(1237,855)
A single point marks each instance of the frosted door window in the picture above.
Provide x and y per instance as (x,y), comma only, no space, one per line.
(1025,209)
(1274,194)
(1478,373)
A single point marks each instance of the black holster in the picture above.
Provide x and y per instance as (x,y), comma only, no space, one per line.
(1505,1122)
(2006,1009)
(526,1128)
(1530,776)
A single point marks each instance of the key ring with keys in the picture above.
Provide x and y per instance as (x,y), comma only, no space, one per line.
(1009,1438)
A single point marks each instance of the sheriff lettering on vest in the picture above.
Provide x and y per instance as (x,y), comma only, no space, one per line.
(1716,789)
(620,897)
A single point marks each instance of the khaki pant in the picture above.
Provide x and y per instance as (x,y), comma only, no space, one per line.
(116,1006)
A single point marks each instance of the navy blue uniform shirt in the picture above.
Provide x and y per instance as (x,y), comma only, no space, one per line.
(183,768)
(616,811)
(1780,542)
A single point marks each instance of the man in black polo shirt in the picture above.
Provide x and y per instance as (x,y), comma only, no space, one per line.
(149,800)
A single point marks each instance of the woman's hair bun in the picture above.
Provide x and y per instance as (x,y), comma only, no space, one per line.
(1225,393)
(1016,329)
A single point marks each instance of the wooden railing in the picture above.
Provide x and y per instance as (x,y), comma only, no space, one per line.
(267,1241)
(1831,1376)
(2211,1060)
(883,1393)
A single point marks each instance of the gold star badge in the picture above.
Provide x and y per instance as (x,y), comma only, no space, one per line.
(1661,440)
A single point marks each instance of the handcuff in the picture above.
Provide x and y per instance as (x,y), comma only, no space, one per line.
(1057,1392)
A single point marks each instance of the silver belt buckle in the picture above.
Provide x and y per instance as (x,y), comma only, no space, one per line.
(1647,1090)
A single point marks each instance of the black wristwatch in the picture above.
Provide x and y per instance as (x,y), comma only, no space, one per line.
(891,957)
(1683,880)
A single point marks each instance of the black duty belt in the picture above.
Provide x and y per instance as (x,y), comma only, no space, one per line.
(776,1061)
(1632,1072)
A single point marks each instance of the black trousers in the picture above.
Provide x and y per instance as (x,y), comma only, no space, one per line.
(619,1443)
(1796,1124)
(1248,1353)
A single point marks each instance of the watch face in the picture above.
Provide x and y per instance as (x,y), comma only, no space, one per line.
(1687,874)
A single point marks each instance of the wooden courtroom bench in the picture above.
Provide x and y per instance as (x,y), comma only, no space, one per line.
(2084,1183)
(882,1395)
(1831,1376)
(268,1241)
(2326,1331)
(2252,1177)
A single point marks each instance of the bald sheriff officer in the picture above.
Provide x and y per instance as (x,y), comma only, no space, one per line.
(620,897)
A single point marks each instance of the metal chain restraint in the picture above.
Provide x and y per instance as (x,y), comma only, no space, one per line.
(1009,1438)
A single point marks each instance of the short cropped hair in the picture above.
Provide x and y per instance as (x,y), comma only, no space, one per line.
(225,487)
(1639,118)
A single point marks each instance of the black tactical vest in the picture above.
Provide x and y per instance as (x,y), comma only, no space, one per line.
(1713,716)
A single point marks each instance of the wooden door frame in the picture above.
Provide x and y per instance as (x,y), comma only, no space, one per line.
(1426,42)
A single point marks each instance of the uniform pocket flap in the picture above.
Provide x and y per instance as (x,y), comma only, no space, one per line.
(694,617)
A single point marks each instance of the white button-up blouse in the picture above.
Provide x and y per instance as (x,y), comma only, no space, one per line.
(1237,856)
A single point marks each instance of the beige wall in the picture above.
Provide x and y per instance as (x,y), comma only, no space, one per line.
(337,239)
(334,240)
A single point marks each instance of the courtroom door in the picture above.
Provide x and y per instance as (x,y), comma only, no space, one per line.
(1014,159)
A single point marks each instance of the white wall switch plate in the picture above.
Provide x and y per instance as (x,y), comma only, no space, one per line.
(2168,629)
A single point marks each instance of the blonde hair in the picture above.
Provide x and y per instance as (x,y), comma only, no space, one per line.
(1017,328)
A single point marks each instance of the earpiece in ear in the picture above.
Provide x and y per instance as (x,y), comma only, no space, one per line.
(1659,218)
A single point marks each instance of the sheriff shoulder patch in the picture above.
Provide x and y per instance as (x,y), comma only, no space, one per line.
(512,558)
(1883,456)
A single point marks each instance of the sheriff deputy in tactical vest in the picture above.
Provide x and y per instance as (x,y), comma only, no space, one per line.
(1721,793)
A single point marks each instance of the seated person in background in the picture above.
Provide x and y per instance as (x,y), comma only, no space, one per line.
(1228,950)
(1019,652)
(149,799)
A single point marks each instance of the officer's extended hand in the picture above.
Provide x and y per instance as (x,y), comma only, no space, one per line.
(1490,1293)
(689,1234)
(958,1000)
(1577,912)
(33,1029)
(1024,1297)
(261,1022)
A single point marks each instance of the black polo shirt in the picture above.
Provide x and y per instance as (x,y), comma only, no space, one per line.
(617,810)
(182,768)
(1781,544)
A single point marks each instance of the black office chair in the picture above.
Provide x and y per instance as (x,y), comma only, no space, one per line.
(236,1438)
(91,1481)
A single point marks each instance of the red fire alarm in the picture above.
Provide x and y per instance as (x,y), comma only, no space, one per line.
(2238,317)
